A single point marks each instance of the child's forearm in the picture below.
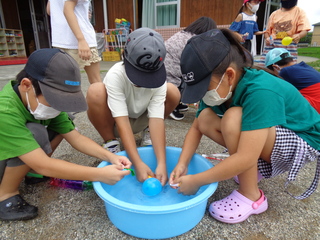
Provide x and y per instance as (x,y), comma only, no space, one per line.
(158,138)
(190,144)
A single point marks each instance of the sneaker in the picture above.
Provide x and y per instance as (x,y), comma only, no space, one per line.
(146,140)
(176,115)
(112,146)
(16,208)
(182,107)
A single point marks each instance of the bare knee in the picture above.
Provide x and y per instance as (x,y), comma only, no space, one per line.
(231,120)
(208,121)
(96,93)
(173,97)
(173,93)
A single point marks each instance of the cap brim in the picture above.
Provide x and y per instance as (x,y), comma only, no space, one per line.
(64,101)
(194,93)
(153,79)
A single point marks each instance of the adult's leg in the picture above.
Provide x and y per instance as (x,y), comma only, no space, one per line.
(93,72)
(98,112)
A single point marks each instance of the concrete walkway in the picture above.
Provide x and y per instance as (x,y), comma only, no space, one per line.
(68,214)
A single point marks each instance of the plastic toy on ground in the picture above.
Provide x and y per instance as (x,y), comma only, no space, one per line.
(72,184)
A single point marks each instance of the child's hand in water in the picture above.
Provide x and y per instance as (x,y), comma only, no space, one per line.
(143,171)
(161,174)
(188,185)
(177,172)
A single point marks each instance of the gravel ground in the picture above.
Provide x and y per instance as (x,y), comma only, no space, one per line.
(71,214)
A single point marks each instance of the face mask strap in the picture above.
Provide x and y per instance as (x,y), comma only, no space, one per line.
(221,79)
(35,94)
(27,97)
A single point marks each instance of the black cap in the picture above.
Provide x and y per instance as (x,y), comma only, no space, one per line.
(202,54)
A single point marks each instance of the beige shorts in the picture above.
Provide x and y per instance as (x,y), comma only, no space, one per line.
(84,63)
(137,124)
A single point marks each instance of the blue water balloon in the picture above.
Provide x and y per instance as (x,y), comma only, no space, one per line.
(151,187)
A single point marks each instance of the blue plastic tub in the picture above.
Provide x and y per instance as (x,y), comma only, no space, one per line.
(166,215)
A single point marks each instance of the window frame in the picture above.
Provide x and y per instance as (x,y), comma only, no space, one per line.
(176,2)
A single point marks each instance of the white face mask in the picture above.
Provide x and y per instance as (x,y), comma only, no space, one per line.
(254,8)
(42,111)
(212,97)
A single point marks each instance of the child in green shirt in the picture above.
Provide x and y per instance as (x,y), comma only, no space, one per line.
(33,121)
(263,121)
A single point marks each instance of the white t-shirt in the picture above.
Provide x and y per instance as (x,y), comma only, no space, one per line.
(124,99)
(62,35)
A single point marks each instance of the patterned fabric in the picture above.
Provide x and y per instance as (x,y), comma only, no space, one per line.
(174,47)
(290,154)
(167,33)
(292,48)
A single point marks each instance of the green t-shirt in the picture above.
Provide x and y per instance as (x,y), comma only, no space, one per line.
(268,101)
(15,138)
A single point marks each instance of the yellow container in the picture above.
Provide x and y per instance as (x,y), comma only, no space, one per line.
(111,38)
(111,56)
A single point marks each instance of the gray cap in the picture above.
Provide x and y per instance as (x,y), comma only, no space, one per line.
(59,79)
(144,58)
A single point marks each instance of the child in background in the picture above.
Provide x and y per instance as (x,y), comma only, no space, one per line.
(73,32)
(305,78)
(174,46)
(288,21)
(266,124)
(245,24)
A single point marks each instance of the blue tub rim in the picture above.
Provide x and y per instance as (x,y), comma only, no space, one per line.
(177,207)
